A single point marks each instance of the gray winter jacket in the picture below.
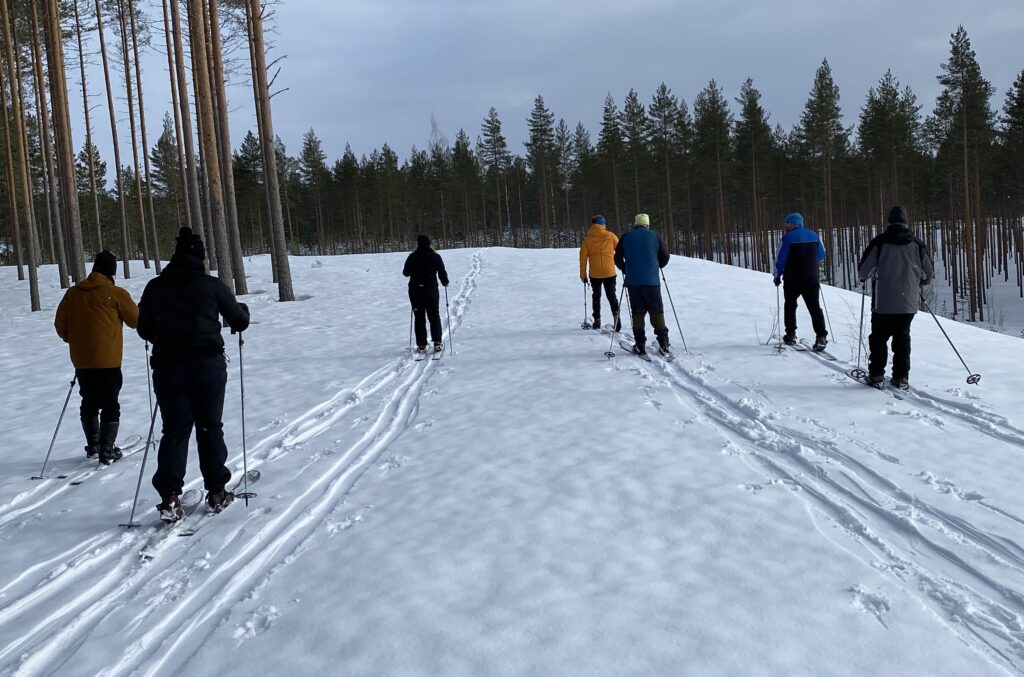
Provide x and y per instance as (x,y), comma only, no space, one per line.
(899,265)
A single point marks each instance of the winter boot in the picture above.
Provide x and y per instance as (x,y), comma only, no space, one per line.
(597,322)
(219,499)
(790,338)
(664,347)
(638,349)
(421,350)
(820,342)
(91,428)
(170,508)
(108,435)
(438,347)
(876,380)
(901,382)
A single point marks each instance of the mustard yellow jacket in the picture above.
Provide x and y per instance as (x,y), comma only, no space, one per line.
(89,320)
(599,247)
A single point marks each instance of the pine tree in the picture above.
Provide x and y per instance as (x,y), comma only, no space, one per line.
(670,136)
(753,137)
(540,158)
(712,148)
(610,151)
(1012,138)
(493,150)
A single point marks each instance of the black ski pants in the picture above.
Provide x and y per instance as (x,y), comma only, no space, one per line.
(190,392)
(608,284)
(99,389)
(810,292)
(644,300)
(425,299)
(883,328)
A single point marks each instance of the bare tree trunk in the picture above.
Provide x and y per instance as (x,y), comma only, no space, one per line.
(88,130)
(125,243)
(272,240)
(266,128)
(173,76)
(231,207)
(56,229)
(208,144)
(145,141)
(131,125)
(62,135)
(12,200)
(21,154)
(191,177)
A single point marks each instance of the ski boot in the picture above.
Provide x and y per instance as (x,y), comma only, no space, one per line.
(819,343)
(638,349)
(91,428)
(219,499)
(421,350)
(790,338)
(901,382)
(597,322)
(664,348)
(108,434)
(170,508)
(876,380)
(438,347)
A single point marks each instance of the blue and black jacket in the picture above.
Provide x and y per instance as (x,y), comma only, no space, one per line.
(641,254)
(799,254)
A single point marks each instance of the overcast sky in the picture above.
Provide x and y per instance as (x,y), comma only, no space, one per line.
(366,72)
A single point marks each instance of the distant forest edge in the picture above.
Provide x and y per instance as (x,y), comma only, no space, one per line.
(716,178)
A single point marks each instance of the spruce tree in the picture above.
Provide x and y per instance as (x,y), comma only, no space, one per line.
(712,148)
(635,132)
(541,159)
(610,152)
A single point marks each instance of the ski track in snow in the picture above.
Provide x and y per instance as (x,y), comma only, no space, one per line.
(941,559)
(54,614)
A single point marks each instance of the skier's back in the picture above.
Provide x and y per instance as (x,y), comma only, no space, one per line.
(641,254)
(424,267)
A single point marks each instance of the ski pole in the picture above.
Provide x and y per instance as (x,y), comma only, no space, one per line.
(585,324)
(131,523)
(149,378)
(246,494)
(41,475)
(972,378)
(609,353)
(448,312)
(681,337)
(778,320)
(411,312)
(858,372)
(821,295)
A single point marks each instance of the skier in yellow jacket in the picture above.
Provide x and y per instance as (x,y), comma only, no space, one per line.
(599,248)
(90,319)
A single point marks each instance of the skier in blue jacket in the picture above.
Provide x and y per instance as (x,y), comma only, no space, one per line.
(641,254)
(800,252)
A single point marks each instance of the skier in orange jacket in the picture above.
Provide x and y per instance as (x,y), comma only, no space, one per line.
(599,249)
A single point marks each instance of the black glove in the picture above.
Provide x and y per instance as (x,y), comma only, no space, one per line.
(244,307)
(777,280)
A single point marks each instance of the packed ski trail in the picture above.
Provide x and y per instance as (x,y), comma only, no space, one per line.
(529,505)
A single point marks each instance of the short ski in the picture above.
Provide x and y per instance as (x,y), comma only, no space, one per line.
(249,479)
(629,348)
(893,391)
(190,502)
(823,353)
(132,445)
(437,354)
(419,355)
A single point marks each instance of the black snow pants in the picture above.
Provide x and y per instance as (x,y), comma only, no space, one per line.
(608,284)
(643,300)
(190,392)
(810,292)
(883,328)
(99,389)
(425,299)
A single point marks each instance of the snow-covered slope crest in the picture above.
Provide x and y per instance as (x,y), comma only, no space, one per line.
(527,505)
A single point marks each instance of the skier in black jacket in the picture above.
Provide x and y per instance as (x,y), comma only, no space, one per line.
(179,313)
(423,268)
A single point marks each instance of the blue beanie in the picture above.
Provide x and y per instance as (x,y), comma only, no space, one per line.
(795,218)
(598,220)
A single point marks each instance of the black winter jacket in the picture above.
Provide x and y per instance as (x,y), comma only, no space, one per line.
(180,310)
(423,267)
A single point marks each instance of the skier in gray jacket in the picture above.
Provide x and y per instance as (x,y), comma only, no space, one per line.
(900,266)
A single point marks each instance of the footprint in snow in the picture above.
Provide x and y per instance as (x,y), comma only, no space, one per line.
(874,603)
(259,621)
(752,488)
(424,425)
(947,487)
(391,463)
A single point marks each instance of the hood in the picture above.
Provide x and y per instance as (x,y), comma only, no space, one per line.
(596,229)
(95,281)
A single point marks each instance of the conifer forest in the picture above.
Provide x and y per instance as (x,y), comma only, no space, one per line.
(713,171)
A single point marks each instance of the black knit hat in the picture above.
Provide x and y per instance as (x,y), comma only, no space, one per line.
(105,263)
(189,244)
(898,215)
(423,241)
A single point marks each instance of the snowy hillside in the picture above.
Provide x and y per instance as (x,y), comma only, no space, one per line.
(528,506)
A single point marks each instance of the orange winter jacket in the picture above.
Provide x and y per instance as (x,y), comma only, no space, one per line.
(89,320)
(598,246)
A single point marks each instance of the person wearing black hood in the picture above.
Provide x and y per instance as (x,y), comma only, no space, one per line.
(900,266)
(90,319)
(423,268)
(179,313)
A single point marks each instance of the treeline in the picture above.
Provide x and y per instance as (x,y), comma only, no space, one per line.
(716,176)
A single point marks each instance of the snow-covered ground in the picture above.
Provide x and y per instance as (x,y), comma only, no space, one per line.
(528,506)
